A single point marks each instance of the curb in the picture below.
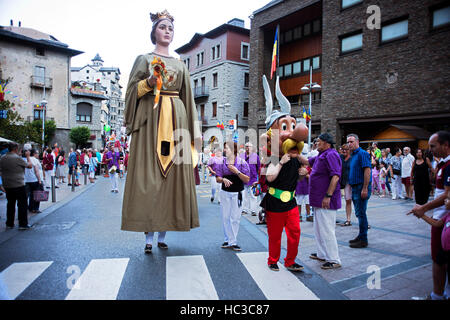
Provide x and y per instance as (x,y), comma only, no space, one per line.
(8,234)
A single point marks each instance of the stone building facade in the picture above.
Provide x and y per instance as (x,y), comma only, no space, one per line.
(218,62)
(35,60)
(371,78)
(86,111)
(106,79)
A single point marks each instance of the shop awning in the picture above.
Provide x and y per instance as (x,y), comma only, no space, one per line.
(400,133)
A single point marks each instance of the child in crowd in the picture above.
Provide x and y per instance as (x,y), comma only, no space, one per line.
(376,177)
(383,174)
(302,195)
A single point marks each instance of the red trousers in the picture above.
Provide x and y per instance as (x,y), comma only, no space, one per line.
(290,221)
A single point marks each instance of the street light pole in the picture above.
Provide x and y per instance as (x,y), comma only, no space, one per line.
(44,107)
(308,88)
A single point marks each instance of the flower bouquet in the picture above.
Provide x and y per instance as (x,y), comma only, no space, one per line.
(158,69)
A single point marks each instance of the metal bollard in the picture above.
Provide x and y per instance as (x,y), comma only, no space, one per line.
(53,189)
(73,182)
(85,175)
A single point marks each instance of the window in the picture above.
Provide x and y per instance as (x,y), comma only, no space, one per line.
(246,80)
(214,109)
(215,84)
(245,51)
(298,33)
(316,62)
(440,17)
(87,71)
(394,31)
(84,112)
(195,83)
(40,52)
(297,67)
(200,58)
(307,29)
(39,74)
(288,36)
(288,70)
(245,110)
(38,114)
(306,65)
(316,26)
(187,62)
(349,3)
(351,42)
(215,52)
(280,71)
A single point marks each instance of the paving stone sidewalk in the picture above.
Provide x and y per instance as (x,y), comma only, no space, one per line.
(399,251)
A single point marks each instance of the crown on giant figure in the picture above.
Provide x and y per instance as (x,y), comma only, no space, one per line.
(161,15)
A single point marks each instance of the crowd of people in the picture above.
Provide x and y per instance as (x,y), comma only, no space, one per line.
(25,170)
(239,182)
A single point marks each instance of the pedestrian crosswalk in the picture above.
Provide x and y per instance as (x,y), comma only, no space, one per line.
(187,278)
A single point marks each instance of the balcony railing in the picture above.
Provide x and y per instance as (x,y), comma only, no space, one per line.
(200,92)
(38,82)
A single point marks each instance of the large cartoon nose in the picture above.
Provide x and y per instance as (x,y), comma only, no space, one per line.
(300,133)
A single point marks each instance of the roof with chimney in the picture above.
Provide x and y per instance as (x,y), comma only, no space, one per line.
(33,37)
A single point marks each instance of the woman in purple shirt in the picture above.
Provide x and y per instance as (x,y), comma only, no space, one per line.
(232,173)
(112,158)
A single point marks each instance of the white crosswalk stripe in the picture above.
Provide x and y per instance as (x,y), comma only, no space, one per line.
(281,285)
(18,276)
(187,278)
(100,281)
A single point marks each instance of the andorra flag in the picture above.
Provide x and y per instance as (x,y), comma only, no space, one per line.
(274,54)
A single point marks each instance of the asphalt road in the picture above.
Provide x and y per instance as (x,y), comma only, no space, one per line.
(82,241)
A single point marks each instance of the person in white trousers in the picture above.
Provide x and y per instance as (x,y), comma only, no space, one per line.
(249,200)
(233,172)
(395,169)
(325,197)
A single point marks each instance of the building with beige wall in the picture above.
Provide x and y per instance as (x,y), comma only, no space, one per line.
(39,66)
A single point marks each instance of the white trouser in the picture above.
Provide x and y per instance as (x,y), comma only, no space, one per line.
(231,216)
(114,181)
(324,231)
(214,186)
(48,178)
(396,187)
(249,201)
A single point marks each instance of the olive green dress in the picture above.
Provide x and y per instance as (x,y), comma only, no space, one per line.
(154,202)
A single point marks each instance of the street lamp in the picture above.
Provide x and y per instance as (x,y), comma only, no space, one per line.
(309,87)
(44,107)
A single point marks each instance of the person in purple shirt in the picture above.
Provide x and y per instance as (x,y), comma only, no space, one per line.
(325,198)
(302,195)
(215,159)
(112,158)
(233,172)
(249,200)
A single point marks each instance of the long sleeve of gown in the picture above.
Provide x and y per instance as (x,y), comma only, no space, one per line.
(139,72)
(191,111)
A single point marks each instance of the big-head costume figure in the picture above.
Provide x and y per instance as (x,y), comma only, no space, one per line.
(284,140)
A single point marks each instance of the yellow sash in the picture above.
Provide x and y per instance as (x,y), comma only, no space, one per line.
(165,146)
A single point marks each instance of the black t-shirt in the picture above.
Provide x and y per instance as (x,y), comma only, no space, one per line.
(286,181)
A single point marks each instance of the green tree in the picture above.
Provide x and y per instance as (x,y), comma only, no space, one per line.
(34,130)
(12,127)
(79,135)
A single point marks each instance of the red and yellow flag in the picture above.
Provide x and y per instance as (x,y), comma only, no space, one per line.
(274,54)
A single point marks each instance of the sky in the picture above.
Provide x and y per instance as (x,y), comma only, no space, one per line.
(120,30)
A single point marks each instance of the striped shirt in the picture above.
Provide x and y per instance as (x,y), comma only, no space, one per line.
(359,160)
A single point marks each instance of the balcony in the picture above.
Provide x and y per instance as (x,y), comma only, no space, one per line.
(38,82)
(201,92)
